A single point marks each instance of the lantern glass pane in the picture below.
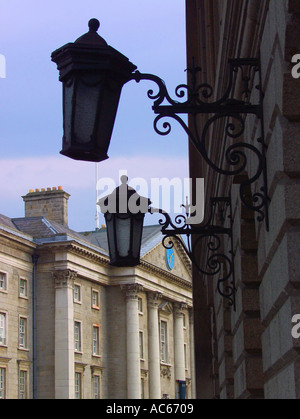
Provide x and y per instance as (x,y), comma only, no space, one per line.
(68,100)
(87,96)
(137,235)
(123,235)
(111,236)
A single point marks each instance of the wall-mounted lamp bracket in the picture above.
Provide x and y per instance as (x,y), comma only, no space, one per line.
(210,236)
(241,155)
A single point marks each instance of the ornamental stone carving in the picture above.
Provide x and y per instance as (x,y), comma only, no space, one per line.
(64,278)
(153,299)
(132,291)
(165,371)
(179,308)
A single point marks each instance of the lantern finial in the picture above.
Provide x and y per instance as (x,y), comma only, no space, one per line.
(94,25)
(124,179)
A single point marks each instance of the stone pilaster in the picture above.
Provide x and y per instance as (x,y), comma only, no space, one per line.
(132,341)
(192,352)
(154,351)
(179,342)
(64,334)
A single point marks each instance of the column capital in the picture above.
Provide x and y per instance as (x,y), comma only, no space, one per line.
(64,278)
(132,291)
(179,307)
(153,299)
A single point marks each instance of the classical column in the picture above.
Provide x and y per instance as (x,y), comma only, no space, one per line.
(192,352)
(154,346)
(179,342)
(132,341)
(64,334)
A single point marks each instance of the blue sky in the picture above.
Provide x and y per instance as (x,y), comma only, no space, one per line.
(151,33)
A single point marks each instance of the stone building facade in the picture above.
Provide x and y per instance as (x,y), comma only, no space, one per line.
(72,326)
(254,354)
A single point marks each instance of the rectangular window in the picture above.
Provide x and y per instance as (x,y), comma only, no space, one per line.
(96,387)
(23,332)
(96,334)
(3,281)
(185,356)
(2,329)
(164,341)
(77,336)
(23,385)
(142,388)
(23,287)
(2,383)
(77,293)
(95,299)
(141,337)
(78,385)
(140,300)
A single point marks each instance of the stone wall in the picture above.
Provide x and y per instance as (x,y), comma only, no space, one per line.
(254,354)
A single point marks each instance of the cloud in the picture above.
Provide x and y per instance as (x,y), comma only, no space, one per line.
(78,178)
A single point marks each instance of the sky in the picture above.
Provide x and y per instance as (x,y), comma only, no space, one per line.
(151,33)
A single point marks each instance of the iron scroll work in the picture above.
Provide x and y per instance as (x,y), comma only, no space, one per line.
(210,236)
(239,157)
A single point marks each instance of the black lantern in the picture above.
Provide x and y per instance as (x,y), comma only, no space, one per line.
(124,211)
(93,74)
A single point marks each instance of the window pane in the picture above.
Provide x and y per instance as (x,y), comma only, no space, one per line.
(95,299)
(2,383)
(141,345)
(96,386)
(77,385)
(22,332)
(2,281)
(2,329)
(95,340)
(23,287)
(23,385)
(163,341)
(77,336)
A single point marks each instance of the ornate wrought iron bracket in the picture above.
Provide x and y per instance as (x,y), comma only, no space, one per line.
(241,156)
(204,244)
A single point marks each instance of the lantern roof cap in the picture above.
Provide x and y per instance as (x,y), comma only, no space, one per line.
(92,37)
(121,196)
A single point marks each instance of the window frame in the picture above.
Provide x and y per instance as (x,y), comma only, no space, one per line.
(25,384)
(24,334)
(164,356)
(5,288)
(4,314)
(77,300)
(141,345)
(95,306)
(97,327)
(4,381)
(140,306)
(98,377)
(25,295)
(79,391)
(79,323)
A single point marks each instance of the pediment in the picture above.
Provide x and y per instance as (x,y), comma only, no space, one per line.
(175,260)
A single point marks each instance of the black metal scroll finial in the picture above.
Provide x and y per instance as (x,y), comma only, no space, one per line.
(94,25)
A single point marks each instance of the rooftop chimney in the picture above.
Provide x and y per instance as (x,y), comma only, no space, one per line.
(51,204)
